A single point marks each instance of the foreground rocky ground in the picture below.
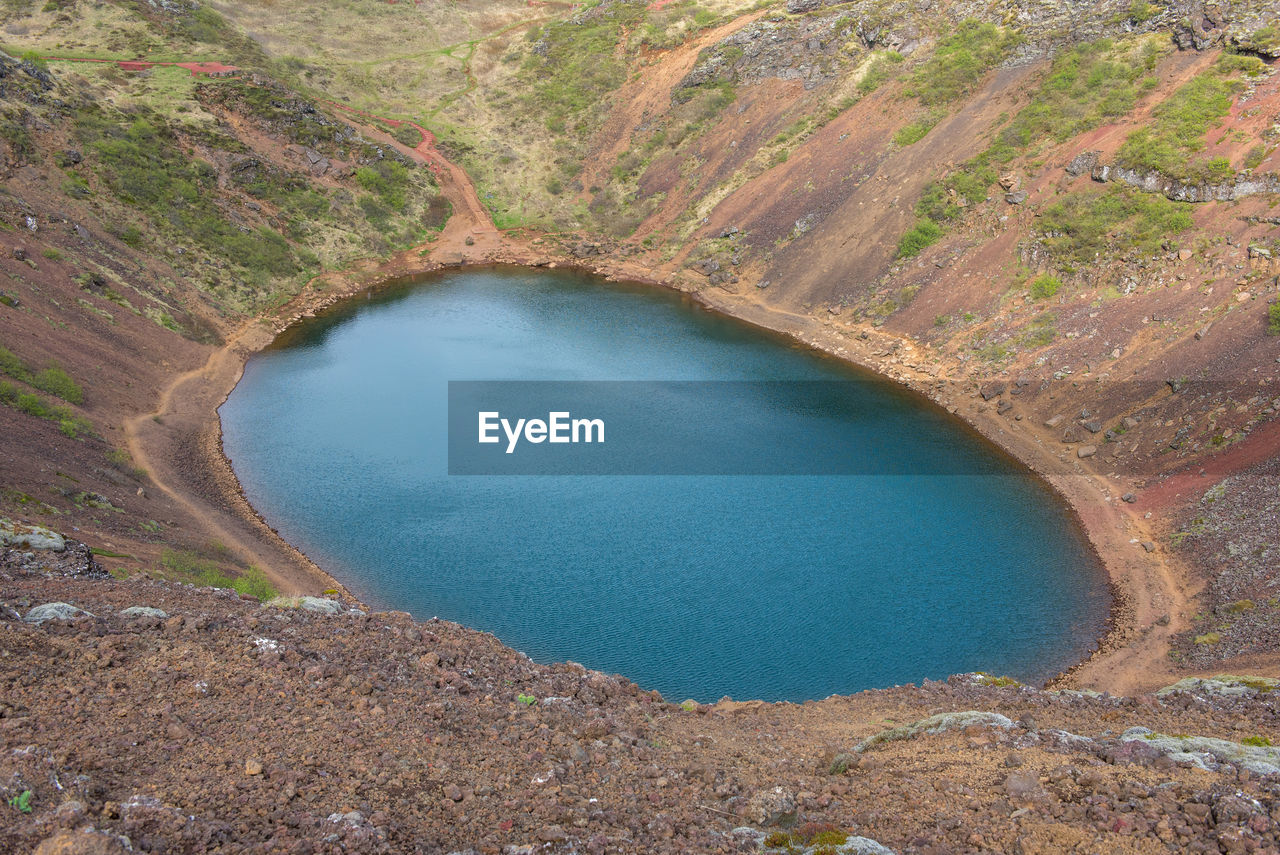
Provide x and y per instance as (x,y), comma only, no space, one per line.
(158,717)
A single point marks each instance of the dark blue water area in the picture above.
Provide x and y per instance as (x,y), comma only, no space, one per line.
(753,586)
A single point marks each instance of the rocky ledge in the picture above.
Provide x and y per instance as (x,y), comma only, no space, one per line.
(149,716)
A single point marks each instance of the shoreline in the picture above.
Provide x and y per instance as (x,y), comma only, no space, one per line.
(1146,598)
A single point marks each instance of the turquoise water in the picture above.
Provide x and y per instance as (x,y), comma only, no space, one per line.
(753,586)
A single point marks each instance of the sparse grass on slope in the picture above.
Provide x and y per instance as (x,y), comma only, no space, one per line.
(1087,225)
(1169,144)
(574,63)
(188,566)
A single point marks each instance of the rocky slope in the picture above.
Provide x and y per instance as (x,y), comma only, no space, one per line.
(174,719)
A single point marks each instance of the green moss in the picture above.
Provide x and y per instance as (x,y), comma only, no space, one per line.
(1273,319)
(1209,638)
(829,838)
(1256,741)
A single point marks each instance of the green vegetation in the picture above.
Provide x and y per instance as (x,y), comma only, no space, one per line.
(820,837)
(1265,39)
(918,129)
(960,61)
(1045,286)
(527,700)
(882,68)
(1141,11)
(387,180)
(1169,144)
(1083,225)
(145,165)
(1256,741)
(1087,85)
(407,135)
(575,63)
(1040,332)
(1273,319)
(1209,638)
(53,380)
(923,234)
(1256,155)
(675,22)
(32,404)
(22,801)
(58,383)
(190,566)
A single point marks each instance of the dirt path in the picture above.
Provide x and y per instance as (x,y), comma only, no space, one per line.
(180,442)
(455,184)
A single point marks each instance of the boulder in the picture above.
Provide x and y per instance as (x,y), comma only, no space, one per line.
(143,611)
(88,841)
(1083,163)
(54,611)
(19,535)
(771,807)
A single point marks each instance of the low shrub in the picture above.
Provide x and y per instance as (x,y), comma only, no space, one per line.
(1045,286)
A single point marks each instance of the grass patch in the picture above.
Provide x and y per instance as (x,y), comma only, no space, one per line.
(31,404)
(917,130)
(58,383)
(1045,286)
(574,64)
(146,167)
(1169,143)
(407,135)
(192,567)
(674,23)
(387,180)
(923,234)
(883,67)
(1273,319)
(1082,226)
(960,61)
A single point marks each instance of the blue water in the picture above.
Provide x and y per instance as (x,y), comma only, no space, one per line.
(774,587)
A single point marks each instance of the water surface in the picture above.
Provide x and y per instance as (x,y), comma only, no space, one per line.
(774,587)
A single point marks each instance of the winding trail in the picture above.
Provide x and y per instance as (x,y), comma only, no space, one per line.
(455,184)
